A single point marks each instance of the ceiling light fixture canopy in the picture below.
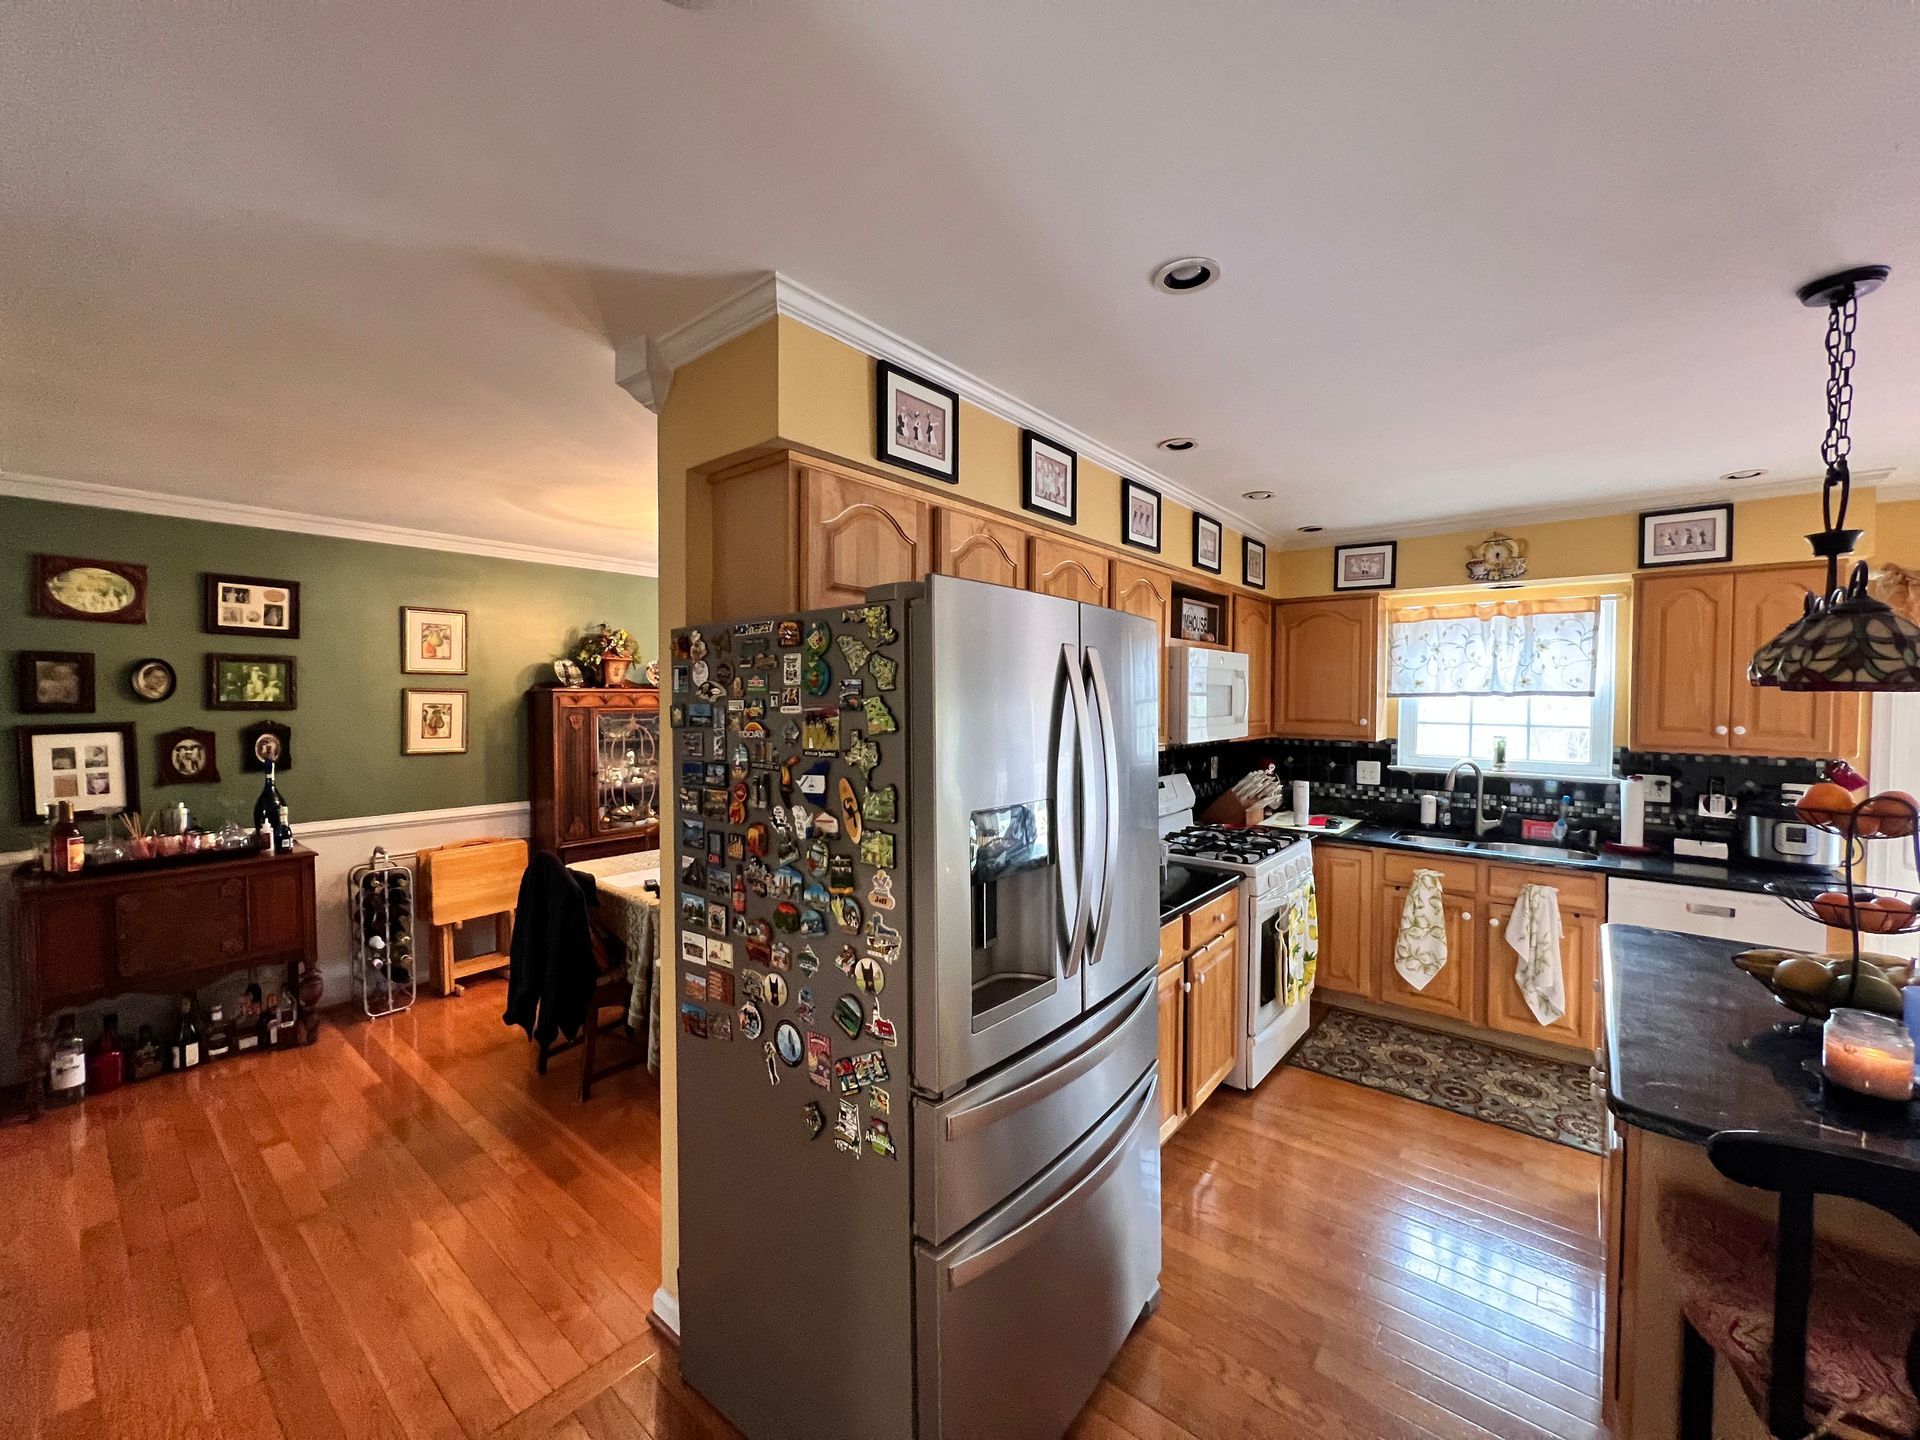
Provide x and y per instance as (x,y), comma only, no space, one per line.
(1845,639)
(1187,274)
(1177,442)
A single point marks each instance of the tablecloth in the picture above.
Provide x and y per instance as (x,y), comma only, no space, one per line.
(621,881)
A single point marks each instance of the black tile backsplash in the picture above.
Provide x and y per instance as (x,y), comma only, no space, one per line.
(1328,765)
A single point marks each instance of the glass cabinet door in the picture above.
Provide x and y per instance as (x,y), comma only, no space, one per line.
(626,772)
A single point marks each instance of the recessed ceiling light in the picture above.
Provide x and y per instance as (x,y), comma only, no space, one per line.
(1256,494)
(1178,442)
(1187,274)
(1310,529)
(1743,475)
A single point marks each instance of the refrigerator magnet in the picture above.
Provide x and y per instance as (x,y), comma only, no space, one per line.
(840,873)
(821,735)
(876,849)
(814,1118)
(720,1026)
(879,718)
(855,650)
(750,1022)
(882,1029)
(880,890)
(693,986)
(786,1040)
(787,634)
(719,986)
(773,1070)
(812,922)
(820,1060)
(846,913)
(719,952)
(880,1101)
(878,807)
(850,809)
(774,986)
(860,752)
(786,917)
(696,645)
(693,1020)
(781,958)
(759,952)
(845,1077)
(803,1005)
(809,962)
(846,1128)
(870,1069)
(819,636)
(880,1138)
(885,672)
(850,693)
(882,937)
(876,618)
(870,975)
(815,677)
(790,670)
(849,1016)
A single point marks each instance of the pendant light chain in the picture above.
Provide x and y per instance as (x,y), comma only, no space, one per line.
(1837,444)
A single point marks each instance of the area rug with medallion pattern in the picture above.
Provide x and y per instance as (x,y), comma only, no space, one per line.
(1548,1098)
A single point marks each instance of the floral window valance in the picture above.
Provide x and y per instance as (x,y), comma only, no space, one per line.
(1512,647)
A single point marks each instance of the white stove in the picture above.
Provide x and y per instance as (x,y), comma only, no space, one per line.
(1276,870)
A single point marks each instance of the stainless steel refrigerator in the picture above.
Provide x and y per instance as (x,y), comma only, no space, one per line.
(918,909)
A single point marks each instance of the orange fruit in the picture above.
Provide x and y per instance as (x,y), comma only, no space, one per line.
(1891,813)
(1824,804)
(1835,907)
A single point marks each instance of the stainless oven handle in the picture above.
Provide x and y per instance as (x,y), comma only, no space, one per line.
(1057,1076)
(1070,658)
(966,1271)
(1110,807)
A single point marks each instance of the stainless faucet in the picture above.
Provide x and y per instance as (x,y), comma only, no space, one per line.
(1481,824)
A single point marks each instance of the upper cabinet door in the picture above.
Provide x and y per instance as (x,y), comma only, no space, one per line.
(1682,666)
(974,547)
(1327,664)
(1253,638)
(1767,721)
(855,534)
(1068,570)
(1147,592)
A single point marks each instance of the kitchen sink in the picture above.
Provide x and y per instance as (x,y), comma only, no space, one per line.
(1515,848)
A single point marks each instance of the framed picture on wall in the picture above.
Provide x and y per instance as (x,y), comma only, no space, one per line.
(151,679)
(1700,536)
(433,722)
(1140,515)
(916,423)
(1206,543)
(250,605)
(54,682)
(1253,563)
(250,682)
(187,758)
(433,642)
(1049,478)
(264,741)
(66,587)
(91,767)
(1365,567)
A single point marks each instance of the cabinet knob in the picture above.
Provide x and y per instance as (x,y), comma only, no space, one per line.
(1719,729)
(1186,987)
(1739,729)
(1364,721)
(1466,914)
(1494,922)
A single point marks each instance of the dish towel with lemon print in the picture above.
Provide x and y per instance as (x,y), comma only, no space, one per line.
(1302,936)
(1420,951)
(1534,934)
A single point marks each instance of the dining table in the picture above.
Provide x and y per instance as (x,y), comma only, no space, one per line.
(628,887)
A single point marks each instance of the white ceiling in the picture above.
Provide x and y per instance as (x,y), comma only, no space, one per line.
(370,259)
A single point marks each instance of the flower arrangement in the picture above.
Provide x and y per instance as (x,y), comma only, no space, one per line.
(608,652)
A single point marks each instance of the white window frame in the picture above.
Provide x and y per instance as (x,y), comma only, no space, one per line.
(1606,672)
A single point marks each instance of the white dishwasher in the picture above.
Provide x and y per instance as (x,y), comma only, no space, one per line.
(1722,914)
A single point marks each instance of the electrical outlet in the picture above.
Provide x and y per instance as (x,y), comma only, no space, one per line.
(1659,789)
(1366,772)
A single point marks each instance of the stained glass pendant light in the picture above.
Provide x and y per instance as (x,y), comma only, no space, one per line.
(1845,639)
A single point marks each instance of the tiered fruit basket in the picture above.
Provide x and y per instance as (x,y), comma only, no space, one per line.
(1854,979)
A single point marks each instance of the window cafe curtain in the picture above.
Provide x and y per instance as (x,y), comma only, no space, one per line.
(1498,647)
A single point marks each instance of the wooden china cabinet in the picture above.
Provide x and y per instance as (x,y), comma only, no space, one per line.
(595,770)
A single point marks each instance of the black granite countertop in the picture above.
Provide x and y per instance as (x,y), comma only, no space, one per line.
(1183,887)
(1692,1049)
(1731,876)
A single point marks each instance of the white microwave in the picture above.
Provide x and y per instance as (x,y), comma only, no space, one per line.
(1207,693)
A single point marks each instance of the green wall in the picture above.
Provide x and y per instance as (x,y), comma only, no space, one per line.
(346,731)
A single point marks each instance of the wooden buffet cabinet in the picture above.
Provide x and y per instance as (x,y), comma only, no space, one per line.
(158,929)
(1360,893)
(594,770)
(1199,969)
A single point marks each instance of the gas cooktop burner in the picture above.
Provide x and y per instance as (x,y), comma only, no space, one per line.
(1227,845)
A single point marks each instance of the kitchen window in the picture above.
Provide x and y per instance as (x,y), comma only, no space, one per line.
(1547,734)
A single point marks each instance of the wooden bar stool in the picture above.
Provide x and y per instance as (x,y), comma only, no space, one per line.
(470,880)
(1816,1334)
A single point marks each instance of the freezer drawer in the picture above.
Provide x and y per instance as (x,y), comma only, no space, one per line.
(1721,914)
(974,1150)
(1019,1318)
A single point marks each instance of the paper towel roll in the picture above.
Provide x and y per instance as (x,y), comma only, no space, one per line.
(1633,811)
(1302,805)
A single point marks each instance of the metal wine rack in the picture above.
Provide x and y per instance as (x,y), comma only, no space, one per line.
(380,924)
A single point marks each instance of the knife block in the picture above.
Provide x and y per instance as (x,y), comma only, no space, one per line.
(1230,810)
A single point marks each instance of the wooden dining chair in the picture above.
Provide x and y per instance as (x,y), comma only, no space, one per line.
(611,990)
(1833,1332)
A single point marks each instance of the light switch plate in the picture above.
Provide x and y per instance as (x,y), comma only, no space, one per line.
(1366,772)
(1659,789)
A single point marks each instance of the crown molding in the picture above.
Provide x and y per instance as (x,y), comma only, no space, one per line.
(1874,480)
(228,512)
(776,294)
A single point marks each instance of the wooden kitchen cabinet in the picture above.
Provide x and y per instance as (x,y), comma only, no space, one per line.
(1507,1008)
(1069,570)
(1327,668)
(1346,892)
(1147,591)
(1210,1003)
(978,547)
(1453,992)
(1694,634)
(855,534)
(1253,638)
(1173,1046)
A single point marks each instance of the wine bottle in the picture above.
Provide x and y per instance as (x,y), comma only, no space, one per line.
(186,1040)
(270,812)
(67,1066)
(219,1041)
(107,1061)
(69,851)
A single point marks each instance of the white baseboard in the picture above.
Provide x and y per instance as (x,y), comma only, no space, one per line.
(666,1308)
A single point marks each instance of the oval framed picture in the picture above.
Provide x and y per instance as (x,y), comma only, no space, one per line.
(152,679)
(67,587)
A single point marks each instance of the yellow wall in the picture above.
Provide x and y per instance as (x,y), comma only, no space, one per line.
(1896,534)
(1764,531)
(827,404)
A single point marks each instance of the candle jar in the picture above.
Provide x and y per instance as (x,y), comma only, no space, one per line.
(1868,1054)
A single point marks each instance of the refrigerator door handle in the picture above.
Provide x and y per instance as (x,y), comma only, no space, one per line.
(1070,656)
(1008,1246)
(1110,758)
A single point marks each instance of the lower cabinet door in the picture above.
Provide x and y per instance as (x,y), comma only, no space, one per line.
(1451,991)
(1173,1048)
(1507,1008)
(1080,1246)
(1212,972)
(1345,894)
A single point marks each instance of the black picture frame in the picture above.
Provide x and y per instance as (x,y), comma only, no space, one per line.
(251,737)
(166,768)
(1392,549)
(1249,548)
(1031,443)
(1204,524)
(215,661)
(887,377)
(211,581)
(1723,550)
(1128,490)
(27,682)
(49,604)
(32,812)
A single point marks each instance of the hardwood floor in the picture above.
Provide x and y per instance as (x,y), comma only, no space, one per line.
(403,1232)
